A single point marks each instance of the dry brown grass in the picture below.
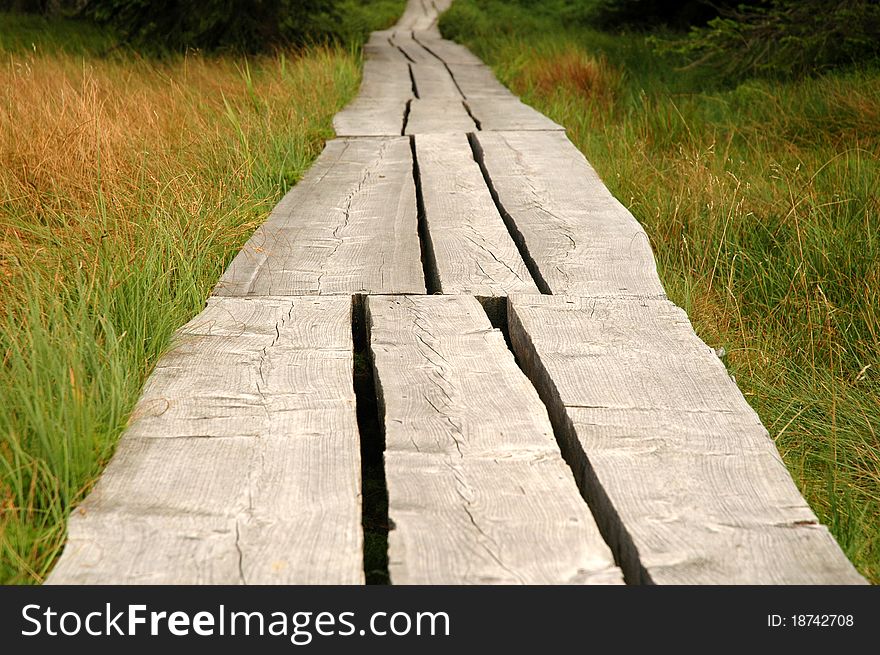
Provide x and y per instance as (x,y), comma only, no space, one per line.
(85,144)
(126,185)
(570,70)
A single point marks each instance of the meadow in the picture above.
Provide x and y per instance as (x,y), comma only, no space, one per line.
(129,180)
(761,198)
(127,183)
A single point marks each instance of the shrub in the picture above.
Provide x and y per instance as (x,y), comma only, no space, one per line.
(242,25)
(783,38)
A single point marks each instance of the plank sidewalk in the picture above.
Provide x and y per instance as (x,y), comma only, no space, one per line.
(548,415)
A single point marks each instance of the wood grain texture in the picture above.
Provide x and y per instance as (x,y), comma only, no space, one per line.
(439,116)
(370,116)
(386,80)
(496,112)
(380,47)
(478,80)
(681,474)
(434,81)
(473,252)
(350,226)
(447,51)
(478,491)
(582,240)
(410,48)
(242,461)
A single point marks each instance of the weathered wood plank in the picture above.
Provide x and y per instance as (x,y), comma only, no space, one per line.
(494,112)
(382,51)
(350,226)
(476,80)
(242,462)
(478,492)
(472,249)
(422,15)
(448,51)
(412,49)
(386,80)
(434,81)
(371,116)
(582,240)
(439,116)
(678,466)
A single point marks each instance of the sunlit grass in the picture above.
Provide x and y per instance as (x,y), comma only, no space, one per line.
(126,185)
(762,203)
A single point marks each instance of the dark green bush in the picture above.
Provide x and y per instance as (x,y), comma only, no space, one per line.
(649,14)
(247,25)
(785,38)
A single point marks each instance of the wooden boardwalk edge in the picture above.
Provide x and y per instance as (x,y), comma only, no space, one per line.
(682,476)
(241,464)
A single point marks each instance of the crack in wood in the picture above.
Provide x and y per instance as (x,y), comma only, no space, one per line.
(509,222)
(429,260)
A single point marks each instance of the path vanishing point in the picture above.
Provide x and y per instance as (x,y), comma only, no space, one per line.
(548,415)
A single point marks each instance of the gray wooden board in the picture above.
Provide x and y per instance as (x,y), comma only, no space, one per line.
(350,226)
(242,460)
(445,50)
(472,248)
(476,80)
(383,51)
(477,489)
(496,112)
(661,438)
(582,240)
(434,81)
(422,15)
(438,116)
(371,116)
(386,80)
(414,52)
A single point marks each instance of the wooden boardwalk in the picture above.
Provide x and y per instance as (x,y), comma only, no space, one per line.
(548,415)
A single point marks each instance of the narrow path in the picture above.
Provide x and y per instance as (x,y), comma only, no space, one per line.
(548,415)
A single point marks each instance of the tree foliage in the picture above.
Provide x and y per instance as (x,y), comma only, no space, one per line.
(785,38)
(236,24)
(649,14)
(215,23)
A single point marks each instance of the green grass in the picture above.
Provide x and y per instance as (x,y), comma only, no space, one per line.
(762,203)
(126,186)
(20,33)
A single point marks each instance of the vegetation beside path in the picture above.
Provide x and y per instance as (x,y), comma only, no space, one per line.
(127,183)
(761,197)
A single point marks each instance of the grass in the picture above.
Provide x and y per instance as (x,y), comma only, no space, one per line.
(126,186)
(762,203)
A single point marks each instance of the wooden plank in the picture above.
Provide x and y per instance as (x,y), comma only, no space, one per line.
(387,80)
(438,116)
(448,51)
(434,81)
(380,107)
(507,113)
(350,226)
(410,48)
(422,15)
(371,116)
(384,53)
(242,461)
(478,492)
(678,466)
(381,46)
(582,240)
(473,251)
(478,81)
